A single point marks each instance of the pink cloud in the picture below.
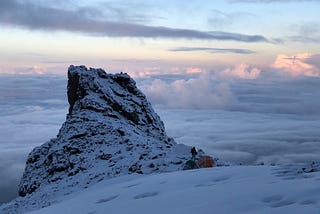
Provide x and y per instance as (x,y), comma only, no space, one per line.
(193,70)
(296,65)
(144,72)
(154,71)
(242,71)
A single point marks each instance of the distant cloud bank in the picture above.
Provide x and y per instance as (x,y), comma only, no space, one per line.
(287,86)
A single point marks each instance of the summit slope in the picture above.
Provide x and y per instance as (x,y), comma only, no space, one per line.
(235,189)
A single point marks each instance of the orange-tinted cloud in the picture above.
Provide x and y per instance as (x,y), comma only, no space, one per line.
(193,70)
(296,65)
(155,71)
(144,72)
(242,71)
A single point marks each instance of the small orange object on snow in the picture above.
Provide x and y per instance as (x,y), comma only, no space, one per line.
(205,162)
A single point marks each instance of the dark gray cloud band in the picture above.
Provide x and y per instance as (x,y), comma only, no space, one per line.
(82,20)
(213,50)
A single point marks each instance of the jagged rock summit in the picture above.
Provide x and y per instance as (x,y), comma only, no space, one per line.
(111,129)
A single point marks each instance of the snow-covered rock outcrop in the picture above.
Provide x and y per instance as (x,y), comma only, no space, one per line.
(111,129)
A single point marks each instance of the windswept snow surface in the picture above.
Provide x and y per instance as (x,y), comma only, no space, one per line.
(234,189)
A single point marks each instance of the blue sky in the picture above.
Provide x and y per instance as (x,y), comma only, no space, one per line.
(46,36)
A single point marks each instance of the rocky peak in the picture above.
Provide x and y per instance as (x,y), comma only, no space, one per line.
(114,95)
(111,129)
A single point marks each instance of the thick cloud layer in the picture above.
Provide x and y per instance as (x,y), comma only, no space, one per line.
(242,88)
(247,138)
(32,109)
(20,133)
(193,93)
(38,17)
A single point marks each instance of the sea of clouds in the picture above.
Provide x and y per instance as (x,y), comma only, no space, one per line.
(241,114)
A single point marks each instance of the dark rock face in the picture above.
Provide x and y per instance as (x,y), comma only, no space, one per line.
(110,130)
(73,84)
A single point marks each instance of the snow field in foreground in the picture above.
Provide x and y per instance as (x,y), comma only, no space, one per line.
(234,189)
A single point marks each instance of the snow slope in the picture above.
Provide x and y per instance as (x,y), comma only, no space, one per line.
(234,189)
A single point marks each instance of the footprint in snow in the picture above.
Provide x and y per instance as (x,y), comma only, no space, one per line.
(291,172)
(273,198)
(132,185)
(205,185)
(104,200)
(308,202)
(276,201)
(146,195)
(220,179)
(285,202)
(213,182)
